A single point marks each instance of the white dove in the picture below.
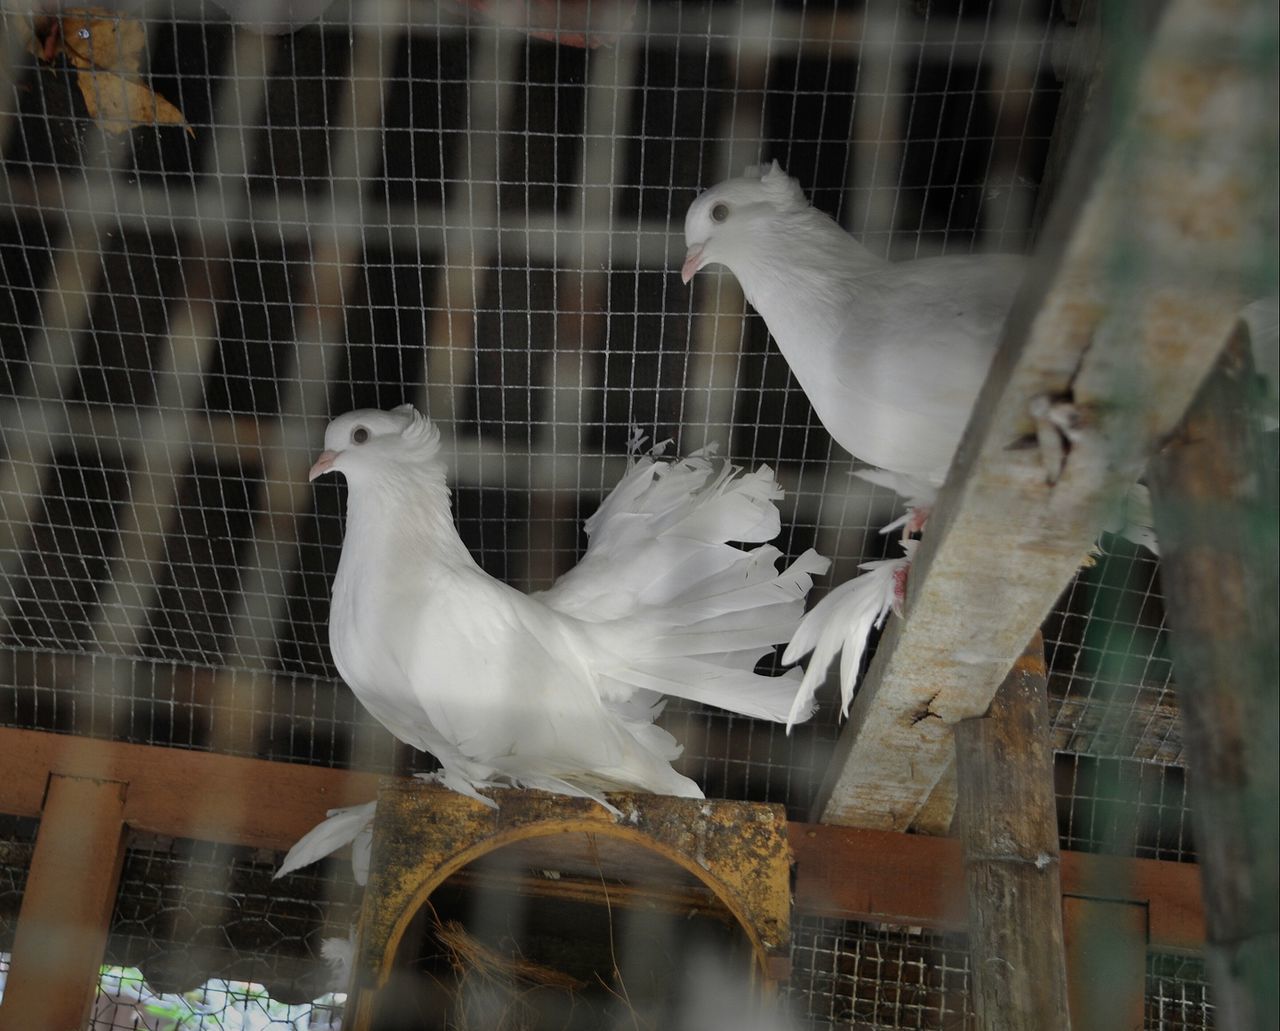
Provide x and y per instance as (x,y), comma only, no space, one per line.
(892,356)
(556,690)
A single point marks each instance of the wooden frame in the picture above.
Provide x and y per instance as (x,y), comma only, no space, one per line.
(1128,354)
(845,872)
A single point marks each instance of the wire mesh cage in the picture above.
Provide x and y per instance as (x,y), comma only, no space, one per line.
(477,207)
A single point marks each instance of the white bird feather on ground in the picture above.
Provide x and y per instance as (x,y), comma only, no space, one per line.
(557,690)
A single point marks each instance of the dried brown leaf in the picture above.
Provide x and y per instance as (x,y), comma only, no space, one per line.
(93,37)
(119,103)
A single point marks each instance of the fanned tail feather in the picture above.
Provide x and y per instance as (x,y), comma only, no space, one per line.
(686,611)
(739,690)
(843,621)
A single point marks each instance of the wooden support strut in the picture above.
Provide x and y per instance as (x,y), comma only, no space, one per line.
(1009,827)
(1138,280)
(1215,505)
(71,890)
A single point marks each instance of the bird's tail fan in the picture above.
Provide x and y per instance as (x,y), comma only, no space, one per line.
(842,622)
(683,608)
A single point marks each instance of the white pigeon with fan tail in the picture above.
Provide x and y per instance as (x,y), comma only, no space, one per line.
(556,690)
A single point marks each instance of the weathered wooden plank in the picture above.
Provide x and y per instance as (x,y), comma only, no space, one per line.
(848,872)
(66,907)
(1141,274)
(1215,497)
(1009,829)
(1107,961)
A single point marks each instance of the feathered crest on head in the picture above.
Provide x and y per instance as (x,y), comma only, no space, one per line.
(420,432)
(784,191)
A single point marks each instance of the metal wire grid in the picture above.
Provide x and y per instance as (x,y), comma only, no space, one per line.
(17,841)
(1111,684)
(1177,993)
(126,1002)
(204,923)
(847,974)
(1123,807)
(362,211)
(187,911)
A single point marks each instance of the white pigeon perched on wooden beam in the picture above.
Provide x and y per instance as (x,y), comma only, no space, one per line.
(556,690)
(891,355)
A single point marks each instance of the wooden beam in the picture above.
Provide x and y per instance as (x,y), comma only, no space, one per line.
(1009,829)
(66,906)
(1215,498)
(844,872)
(178,792)
(894,878)
(1137,285)
(1107,961)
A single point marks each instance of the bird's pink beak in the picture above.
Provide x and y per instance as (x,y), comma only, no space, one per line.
(323,464)
(692,262)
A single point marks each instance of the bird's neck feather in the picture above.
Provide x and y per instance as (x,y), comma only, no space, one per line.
(803,272)
(407,514)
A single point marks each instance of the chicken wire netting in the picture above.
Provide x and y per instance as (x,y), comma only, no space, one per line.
(435,203)
(203,938)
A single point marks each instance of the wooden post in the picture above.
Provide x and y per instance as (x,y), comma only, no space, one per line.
(1214,496)
(1009,828)
(71,890)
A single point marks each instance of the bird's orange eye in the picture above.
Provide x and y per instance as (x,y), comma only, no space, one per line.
(359,435)
(720,212)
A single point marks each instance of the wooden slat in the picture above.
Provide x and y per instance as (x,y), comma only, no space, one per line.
(1009,829)
(1128,343)
(182,793)
(846,872)
(66,906)
(888,877)
(1107,960)
(1215,498)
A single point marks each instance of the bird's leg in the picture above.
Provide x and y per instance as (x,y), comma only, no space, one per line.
(1057,428)
(919,515)
(900,588)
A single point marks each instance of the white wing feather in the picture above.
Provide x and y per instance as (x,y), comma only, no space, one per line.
(341,827)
